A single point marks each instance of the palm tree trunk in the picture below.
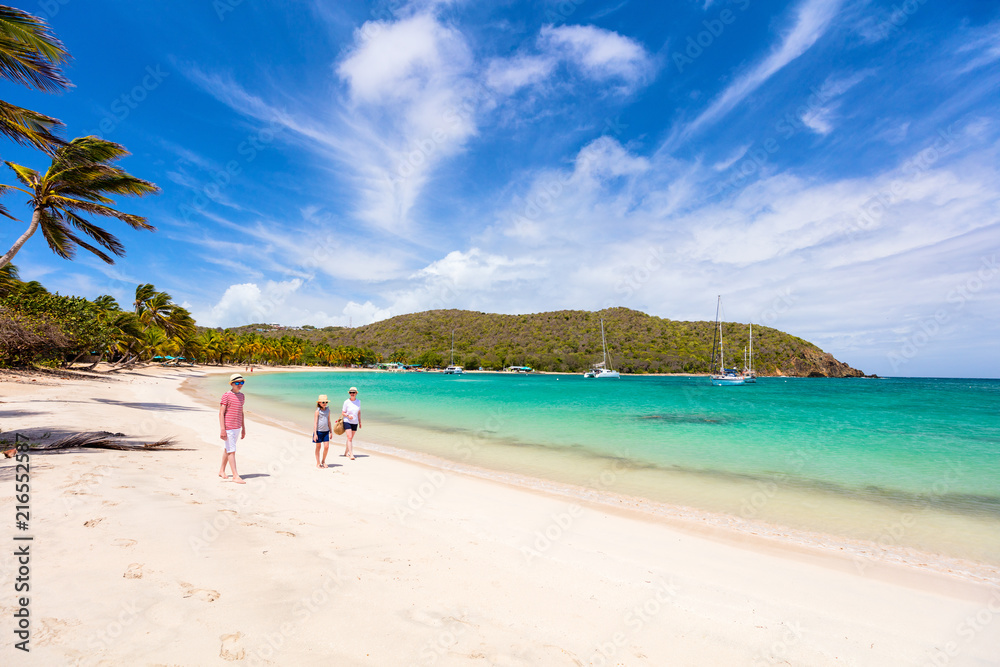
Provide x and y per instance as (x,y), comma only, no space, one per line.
(36,218)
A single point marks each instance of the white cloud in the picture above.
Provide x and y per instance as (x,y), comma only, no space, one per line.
(246,303)
(413,105)
(291,302)
(390,60)
(819,120)
(732,159)
(813,18)
(601,54)
(981,46)
(506,76)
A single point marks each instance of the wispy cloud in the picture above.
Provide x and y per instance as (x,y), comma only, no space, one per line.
(812,20)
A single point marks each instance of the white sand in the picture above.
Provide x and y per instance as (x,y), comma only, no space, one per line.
(148,558)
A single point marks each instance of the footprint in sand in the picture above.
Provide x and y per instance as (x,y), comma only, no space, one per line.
(109,503)
(134,571)
(204,594)
(231,649)
(93,522)
(124,487)
(227,511)
(51,631)
(124,542)
(285,532)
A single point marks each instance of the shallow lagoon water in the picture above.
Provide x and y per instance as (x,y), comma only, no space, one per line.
(903,462)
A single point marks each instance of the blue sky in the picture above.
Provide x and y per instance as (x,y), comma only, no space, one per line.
(829,167)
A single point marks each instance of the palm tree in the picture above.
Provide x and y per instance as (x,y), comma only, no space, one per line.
(77,183)
(9,279)
(30,54)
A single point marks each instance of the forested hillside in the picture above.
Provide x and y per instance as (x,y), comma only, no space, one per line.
(570,340)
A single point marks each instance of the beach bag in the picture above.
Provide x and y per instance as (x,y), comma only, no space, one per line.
(338,426)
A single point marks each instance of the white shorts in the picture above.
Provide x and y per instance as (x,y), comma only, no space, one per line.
(232,436)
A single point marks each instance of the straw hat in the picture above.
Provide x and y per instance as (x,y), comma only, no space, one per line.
(234,377)
(354,389)
(323,399)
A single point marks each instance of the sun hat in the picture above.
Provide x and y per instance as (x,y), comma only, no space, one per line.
(234,377)
(354,389)
(323,399)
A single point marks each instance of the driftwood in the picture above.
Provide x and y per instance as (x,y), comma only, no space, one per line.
(101,440)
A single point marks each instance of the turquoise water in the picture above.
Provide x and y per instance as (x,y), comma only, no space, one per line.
(846,456)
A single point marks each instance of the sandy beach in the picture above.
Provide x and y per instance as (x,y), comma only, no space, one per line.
(148,558)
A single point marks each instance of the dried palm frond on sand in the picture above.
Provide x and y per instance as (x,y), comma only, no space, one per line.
(100,440)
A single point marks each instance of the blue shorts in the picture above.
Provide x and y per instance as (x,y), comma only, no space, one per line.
(350,426)
(322,436)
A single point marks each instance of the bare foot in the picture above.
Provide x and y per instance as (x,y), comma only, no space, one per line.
(223,475)
(320,465)
(239,480)
(350,456)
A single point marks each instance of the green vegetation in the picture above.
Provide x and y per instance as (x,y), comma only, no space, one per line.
(37,327)
(568,341)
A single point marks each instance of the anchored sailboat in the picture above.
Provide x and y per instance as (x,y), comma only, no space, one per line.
(601,369)
(725,376)
(453,369)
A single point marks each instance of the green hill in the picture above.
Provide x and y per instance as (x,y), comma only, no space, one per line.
(570,340)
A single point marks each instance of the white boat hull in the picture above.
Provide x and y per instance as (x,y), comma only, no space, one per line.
(728,380)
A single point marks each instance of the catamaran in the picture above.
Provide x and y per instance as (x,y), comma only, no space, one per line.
(600,369)
(725,376)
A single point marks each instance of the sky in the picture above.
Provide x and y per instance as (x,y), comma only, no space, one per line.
(829,167)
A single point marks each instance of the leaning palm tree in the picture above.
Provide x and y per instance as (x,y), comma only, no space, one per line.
(30,54)
(77,183)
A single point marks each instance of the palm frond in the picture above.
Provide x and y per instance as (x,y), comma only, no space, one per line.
(90,150)
(57,235)
(134,221)
(30,53)
(29,128)
(102,236)
(28,177)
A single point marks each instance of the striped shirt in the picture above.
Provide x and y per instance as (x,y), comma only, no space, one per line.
(234,409)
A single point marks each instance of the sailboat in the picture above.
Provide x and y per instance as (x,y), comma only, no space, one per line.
(453,369)
(725,376)
(600,369)
(749,374)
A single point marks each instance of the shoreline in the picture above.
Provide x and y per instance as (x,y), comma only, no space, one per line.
(147,557)
(856,554)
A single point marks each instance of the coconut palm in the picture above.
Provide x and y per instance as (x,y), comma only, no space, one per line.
(30,54)
(9,279)
(77,183)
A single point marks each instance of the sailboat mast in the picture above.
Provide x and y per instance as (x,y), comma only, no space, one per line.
(604,346)
(717,306)
(722,355)
(751,347)
(452,347)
